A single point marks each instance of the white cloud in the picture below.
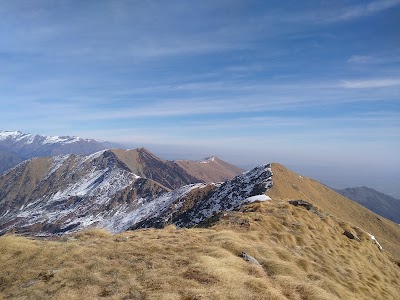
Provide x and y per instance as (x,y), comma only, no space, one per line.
(361,59)
(371,83)
(364,10)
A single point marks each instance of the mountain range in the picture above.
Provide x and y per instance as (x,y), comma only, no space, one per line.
(16,147)
(221,232)
(131,189)
(114,189)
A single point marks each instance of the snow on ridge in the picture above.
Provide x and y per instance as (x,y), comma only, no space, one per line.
(62,139)
(29,138)
(96,186)
(58,161)
(233,193)
(154,208)
(9,134)
(207,160)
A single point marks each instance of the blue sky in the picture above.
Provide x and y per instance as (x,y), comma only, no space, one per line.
(314,85)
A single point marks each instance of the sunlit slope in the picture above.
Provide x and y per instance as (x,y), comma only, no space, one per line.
(211,169)
(300,256)
(289,185)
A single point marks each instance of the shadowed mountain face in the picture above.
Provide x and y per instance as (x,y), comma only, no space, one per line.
(16,147)
(8,159)
(378,202)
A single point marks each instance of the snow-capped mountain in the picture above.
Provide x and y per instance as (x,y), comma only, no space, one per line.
(21,146)
(70,192)
(108,189)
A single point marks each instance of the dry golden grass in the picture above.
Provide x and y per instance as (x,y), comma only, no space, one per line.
(289,185)
(301,257)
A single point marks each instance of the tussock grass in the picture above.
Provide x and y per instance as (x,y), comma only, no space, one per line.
(301,257)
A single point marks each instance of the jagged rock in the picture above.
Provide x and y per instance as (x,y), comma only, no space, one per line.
(250,259)
(349,234)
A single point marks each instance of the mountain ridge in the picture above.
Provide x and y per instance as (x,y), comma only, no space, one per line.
(22,146)
(290,185)
(378,202)
(72,190)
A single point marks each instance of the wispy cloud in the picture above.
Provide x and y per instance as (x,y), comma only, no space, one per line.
(361,59)
(371,59)
(364,10)
(371,83)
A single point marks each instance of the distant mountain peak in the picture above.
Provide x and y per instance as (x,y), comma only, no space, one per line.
(207,159)
(17,147)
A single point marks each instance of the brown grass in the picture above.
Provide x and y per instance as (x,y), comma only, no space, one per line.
(289,185)
(301,257)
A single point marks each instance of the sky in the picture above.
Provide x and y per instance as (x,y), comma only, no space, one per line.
(314,85)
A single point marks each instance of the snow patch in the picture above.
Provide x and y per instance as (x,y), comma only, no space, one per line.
(207,160)
(375,240)
(256,198)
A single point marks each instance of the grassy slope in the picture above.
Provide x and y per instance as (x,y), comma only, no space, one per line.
(289,185)
(301,257)
(212,171)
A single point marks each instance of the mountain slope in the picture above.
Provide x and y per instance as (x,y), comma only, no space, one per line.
(144,163)
(203,201)
(289,185)
(71,192)
(266,251)
(378,202)
(8,159)
(211,169)
(21,146)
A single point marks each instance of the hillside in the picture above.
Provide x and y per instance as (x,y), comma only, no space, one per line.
(145,164)
(378,202)
(291,253)
(211,169)
(289,185)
